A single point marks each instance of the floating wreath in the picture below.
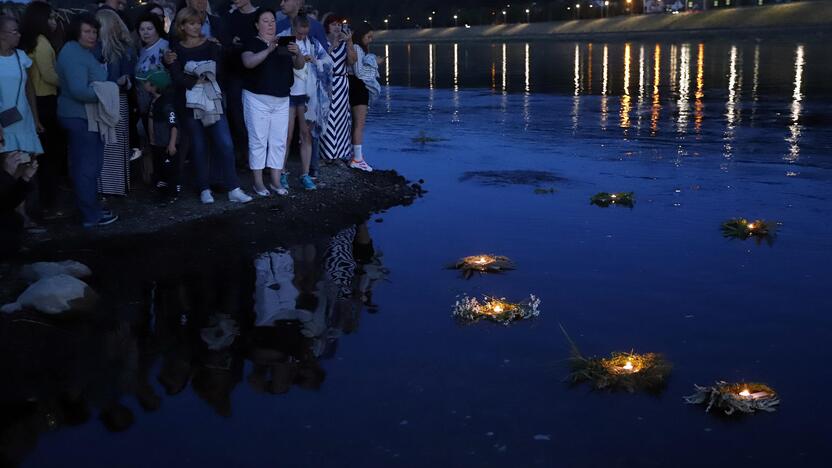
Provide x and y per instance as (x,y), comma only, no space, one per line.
(471,310)
(730,398)
(621,371)
(604,199)
(482,264)
(741,228)
(423,138)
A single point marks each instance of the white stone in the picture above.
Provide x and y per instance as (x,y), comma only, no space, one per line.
(58,294)
(40,270)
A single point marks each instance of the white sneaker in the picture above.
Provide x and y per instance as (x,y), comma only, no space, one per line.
(238,196)
(361,165)
(205,197)
(282,191)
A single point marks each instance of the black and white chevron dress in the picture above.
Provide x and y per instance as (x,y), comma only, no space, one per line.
(336,137)
(115,173)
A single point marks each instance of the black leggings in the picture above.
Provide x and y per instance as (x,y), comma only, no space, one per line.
(53,162)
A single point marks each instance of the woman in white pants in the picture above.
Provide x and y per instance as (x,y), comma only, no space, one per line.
(266,86)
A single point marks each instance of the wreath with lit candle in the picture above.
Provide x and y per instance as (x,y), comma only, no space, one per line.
(741,228)
(472,310)
(746,398)
(604,199)
(622,371)
(483,263)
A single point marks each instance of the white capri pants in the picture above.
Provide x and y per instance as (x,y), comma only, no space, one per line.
(267,121)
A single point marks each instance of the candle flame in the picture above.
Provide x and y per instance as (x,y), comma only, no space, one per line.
(498,308)
(628,365)
(745,393)
(614,196)
(750,225)
(481,260)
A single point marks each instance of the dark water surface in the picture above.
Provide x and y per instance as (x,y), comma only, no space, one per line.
(343,351)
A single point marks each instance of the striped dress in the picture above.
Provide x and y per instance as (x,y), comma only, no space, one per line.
(115,174)
(336,142)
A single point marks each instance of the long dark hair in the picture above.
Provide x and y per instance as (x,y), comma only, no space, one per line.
(361,30)
(34,23)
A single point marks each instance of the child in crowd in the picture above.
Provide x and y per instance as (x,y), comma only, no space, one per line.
(163,131)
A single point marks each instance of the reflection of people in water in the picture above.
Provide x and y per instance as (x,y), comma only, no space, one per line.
(199,327)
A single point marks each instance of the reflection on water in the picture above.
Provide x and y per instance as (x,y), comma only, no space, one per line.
(678,87)
(797,97)
(200,333)
(625,97)
(731,111)
(657,107)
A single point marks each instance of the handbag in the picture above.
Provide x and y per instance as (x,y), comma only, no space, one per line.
(12,115)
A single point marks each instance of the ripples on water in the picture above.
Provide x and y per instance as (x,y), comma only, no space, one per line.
(699,131)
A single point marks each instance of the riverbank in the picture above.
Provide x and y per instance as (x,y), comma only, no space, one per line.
(806,18)
(174,235)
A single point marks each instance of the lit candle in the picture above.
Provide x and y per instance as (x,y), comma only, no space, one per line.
(482,260)
(498,308)
(745,393)
(751,226)
(628,366)
(614,196)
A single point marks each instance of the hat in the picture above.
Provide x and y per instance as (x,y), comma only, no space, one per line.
(157,77)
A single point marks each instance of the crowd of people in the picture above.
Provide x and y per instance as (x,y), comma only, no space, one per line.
(191,93)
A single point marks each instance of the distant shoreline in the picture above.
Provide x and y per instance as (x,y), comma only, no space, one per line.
(792,19)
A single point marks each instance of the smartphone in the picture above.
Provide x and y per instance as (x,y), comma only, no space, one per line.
(345,28)
(284,41)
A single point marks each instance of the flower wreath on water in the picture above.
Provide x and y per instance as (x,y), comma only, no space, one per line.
(736,397)
(741,228)
(621,371)
(483,263)
(471,310)
(604,199)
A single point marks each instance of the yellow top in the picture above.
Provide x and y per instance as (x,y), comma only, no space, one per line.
(43,75)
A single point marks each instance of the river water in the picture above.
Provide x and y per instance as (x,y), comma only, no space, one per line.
(343,351)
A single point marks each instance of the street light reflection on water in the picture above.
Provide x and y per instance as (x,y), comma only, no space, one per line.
(676,89)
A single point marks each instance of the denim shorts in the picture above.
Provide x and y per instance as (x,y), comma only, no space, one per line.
(297,101)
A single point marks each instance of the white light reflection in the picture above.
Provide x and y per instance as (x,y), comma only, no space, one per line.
(527,94)
(430,65)
(604,97)
(387,64)
(755,83)
(528,69)
(504,68)
(625,98)
(797,99)
(731,107)
(455,117)
(684,90)
(456,67)
(576,99)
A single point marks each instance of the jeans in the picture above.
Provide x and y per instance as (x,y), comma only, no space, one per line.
(221,152)
(313,162)
(86,158)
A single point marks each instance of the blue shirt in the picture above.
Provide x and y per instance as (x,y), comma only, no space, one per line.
(77,68)
(316,30)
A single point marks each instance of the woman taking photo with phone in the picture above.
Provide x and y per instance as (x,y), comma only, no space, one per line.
(335,139)
(266,86)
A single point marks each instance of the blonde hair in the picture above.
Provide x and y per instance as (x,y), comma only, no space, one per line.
(115,37)
(187,15)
